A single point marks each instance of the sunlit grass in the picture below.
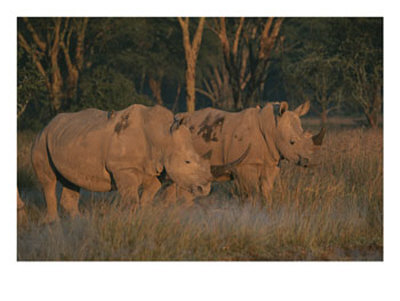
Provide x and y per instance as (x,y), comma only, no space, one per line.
(333,211)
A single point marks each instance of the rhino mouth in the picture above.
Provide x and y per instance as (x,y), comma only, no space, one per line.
(199,190)
(303,162)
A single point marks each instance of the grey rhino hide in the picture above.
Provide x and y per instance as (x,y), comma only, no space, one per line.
(96,150)
(227,135)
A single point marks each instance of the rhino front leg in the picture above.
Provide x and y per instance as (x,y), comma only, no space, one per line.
(172,194)
(186,196)
(128,182)
(70,200)
(267,182)
(169,194)
(247,182)
(150,187)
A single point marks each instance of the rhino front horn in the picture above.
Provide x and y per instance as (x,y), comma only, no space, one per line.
(317,139)
(223,170)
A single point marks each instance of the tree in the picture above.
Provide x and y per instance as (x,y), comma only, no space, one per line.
(30,85)
(107,89)
(191,52)
(364,69)
(148,51)
(318,77)
(336,62)
(312,63)
(53,43)
(247,46)
(217,87)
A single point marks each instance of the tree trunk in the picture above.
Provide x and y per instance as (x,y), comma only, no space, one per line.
(178,93)
(190,87)
(237,96)
(372,111)
(372,118)
(324,117)
(56,95)
(142,79)
(155,87)
(246,56)
(191,52)
(61,86)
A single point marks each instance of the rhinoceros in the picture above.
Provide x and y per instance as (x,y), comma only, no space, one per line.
(274,133)
(21,212)
(123,150)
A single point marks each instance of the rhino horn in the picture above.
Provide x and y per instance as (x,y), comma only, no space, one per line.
(317,139)
(221,170)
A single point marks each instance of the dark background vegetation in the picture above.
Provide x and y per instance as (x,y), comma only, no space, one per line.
(68,64)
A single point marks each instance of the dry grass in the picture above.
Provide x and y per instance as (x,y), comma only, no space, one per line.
(330,212)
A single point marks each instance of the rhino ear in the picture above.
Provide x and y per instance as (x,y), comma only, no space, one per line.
(284,106)
(303,109)
(175,125)
(179,119)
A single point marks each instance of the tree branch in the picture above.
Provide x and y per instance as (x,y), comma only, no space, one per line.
(35,59)
(79,56)
(237,36)
(197,36)
(35,36)
(207,94)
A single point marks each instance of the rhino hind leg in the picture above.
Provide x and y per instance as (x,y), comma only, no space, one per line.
(21,212)
(49,190)
(150,187)
(46,176)
(70,200)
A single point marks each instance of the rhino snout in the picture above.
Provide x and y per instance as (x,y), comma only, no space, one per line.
(303,161)
(201,189)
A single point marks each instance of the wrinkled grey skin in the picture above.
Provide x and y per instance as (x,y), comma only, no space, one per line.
(273,136)
(101,151)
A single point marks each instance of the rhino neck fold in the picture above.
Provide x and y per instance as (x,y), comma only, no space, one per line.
(160,145)
(157,125)
(267,125)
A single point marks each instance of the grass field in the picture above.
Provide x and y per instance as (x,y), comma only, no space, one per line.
(333,211)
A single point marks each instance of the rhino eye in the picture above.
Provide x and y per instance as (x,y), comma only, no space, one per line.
(291,141)
(187,161)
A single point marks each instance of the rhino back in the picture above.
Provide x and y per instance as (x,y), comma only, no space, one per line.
(228,134)
(77,144)
(139,138)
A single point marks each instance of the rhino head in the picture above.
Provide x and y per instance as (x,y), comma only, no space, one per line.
(184,165)
(187,168)
(293,143)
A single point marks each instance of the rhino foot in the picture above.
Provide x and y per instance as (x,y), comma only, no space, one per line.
(51,219)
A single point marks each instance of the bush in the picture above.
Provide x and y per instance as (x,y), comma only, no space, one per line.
(106,89)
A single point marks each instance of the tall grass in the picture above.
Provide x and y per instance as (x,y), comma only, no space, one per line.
(333,211)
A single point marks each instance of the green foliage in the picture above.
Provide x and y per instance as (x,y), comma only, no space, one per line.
(323,59)
(312,66)
(33,107)
(314,57)
(364,65)
(316,77)
(137,45)
(107,89)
